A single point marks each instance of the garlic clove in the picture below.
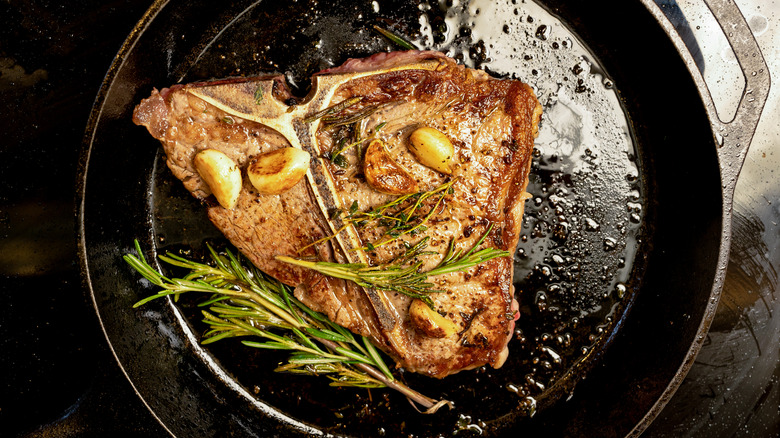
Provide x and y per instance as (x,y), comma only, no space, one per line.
(432,149)
(221,174)
(429,321)
(275,172)
(384,174)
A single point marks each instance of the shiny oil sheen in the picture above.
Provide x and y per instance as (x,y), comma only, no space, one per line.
(229,391)
(581,230)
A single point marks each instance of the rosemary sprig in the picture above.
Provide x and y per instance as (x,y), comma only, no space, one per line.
(245,302)
(397,276)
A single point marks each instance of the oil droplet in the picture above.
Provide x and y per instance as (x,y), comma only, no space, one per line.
(591,225)
(620,290)
(543,32)
(531,381)
(528,406)
(556,358)
(561,230)
(541,301)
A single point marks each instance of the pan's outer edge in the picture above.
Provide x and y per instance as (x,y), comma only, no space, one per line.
(148,18)
(733,138)
(83,167)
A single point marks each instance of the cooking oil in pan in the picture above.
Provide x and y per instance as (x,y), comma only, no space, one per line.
(581,230)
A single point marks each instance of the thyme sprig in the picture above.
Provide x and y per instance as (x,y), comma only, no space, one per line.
(403,220)
(335,155)
(399,215)
(244,302)
(398,276)
(335,108)
(351,118)
(258,95)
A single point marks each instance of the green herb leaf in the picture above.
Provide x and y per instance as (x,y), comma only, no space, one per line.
(258,95)
(396,39)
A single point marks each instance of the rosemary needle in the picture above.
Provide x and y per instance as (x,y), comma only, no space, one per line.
(400,41)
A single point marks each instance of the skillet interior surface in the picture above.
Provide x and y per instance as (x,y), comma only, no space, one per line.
(620,241)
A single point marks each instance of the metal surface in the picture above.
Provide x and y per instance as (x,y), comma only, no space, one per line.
(167,325)
(733,139)
(59,380)
(155,345)
(732,388)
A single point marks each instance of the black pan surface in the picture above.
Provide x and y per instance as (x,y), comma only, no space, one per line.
(616,262)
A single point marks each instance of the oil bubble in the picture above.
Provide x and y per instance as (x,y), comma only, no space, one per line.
(543,32)
(620,290)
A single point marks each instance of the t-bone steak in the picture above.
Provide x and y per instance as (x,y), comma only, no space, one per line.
(491,124)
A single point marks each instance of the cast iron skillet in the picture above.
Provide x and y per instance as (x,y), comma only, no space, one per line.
(687,178)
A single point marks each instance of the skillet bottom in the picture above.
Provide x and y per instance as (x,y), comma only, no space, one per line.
(185,387)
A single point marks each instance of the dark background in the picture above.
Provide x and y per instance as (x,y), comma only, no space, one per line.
(59,379)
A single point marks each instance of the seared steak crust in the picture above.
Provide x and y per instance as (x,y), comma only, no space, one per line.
(492,124)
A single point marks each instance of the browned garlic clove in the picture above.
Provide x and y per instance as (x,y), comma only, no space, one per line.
(429,321)
(221,174)
(432,149)
(384,174)
(275,172)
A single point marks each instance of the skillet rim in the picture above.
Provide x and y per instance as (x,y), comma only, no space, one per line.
(83,169)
